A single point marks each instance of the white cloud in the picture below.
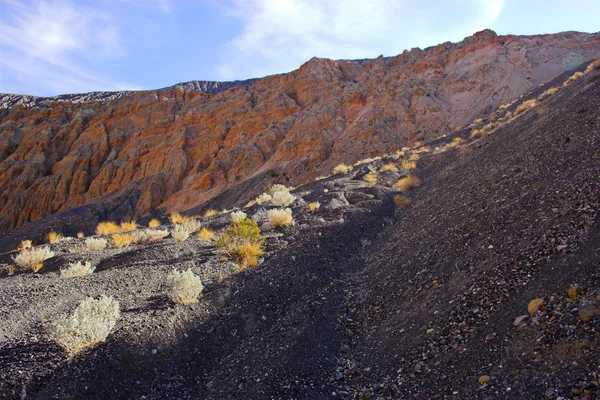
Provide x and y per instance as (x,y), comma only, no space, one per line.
(279,35)
(52,47)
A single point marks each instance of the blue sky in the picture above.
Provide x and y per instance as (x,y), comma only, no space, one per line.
(49,47)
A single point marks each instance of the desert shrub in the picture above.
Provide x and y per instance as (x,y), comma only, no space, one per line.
(401,201)
(33,258)
(206,234)
(282,199)
(504,106)
(389,167)
(122,240)
(593,66)
(177,218)
(277,188)
(400,153)
(407,165)
(154,223)
(475,133)
(414,157)
(367,160)
(184,287)
(80,235)
(210,212)
(53,237)
(242,242)
(263,198)
(280,217)
(407,183)
(526,105)
(128,226)
(77,269)
(107,228)
(547,93)
(342,169)
(371,178)
(25,244)
(180,233)
(95,244)
(456,142)
(573,78)
(313,207)
(90,324)
(237,216)
(156,234)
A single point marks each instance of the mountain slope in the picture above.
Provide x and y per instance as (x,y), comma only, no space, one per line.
(359,299)
(176,149)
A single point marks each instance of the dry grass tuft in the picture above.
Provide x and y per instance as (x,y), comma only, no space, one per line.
(33,258)
(407,165)
(53,237)
(107,228)
(526,105)
(77,269)
(206,234)
(90,324)
(25,244)
(95,244)
(238,216)
(414,157)
(371,178)
(367,160)
(407,183)
(594,65)
(122,240)
(573,78)
(401,201)
(455,143)
(548,93)
(342,169)
(389,167)
(177,218)
(80,235)
(210,212)
(128,226)
(184,287)
(242,242)
(475,133)
(280,217)
(154,223)
(313,207)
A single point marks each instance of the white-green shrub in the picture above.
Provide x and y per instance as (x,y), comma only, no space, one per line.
(263,198)
(280,217)
(77,269)
(283,199)
(33,258)
(184,287)
(238,216)
(95,244)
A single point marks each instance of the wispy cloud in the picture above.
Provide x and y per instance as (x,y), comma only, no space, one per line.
(51,47)
(278,35)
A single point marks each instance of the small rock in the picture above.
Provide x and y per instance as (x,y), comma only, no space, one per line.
(489,337)
(574,291)
(429,331)
(436,285)
(484,379)
(562,247)
(521,320)
(586,311)
(535,305)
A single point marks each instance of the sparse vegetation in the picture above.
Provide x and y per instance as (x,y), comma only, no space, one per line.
(313,207)
(210,212)
(547,93)
(280,217)
(90,324)
(407,165)
(77,269)
(594,65)
(573,78)
(25,244)
(184,287)
(342,169)
(454,143)
(475,133)
(367,160)
(107,228)
(95,244)
(33,258)
(242,242)
(237,216)
(371,178)
(389,167)
(122,240)
(526,105)
(407,183)
(177,218)
(282,198)
(128,226)
(414,157)
(401,201)
(154,223)
(206,234)
(53,237)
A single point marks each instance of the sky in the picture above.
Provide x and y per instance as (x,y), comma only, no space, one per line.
(50,47)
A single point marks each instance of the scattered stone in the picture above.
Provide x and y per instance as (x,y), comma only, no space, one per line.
(483,379)
(429,331)
(489,337)
(535,305)
(587,311)
(521,320)
(574,291)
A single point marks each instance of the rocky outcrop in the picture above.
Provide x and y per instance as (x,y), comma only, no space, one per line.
(177,148)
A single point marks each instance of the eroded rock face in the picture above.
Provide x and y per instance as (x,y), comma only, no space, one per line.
(179,147)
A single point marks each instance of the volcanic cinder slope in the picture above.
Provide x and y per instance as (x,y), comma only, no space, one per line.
(178,148)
